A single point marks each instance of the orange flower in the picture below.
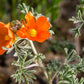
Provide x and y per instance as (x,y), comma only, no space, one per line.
(35,30)
(6,36)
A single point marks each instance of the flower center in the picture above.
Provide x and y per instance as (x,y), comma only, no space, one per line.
(32,32)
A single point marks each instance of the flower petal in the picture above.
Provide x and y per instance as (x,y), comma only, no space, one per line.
(42,36)
(6,36)
(30,19)
(42,23)
(21,32)
(7,25)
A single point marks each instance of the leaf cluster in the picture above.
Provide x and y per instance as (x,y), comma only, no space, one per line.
(68,76)
(53,65)
(25,59)
(22,74)
(76,20)
(67,71)
(23,51)
(72,66)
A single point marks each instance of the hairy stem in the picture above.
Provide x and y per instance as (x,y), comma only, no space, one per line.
(33,47)
(30,66)
(39,61)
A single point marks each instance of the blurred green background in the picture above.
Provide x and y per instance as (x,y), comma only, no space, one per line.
(9,8)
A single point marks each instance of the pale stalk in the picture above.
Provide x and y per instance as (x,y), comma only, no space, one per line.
(38,61)
(31,66)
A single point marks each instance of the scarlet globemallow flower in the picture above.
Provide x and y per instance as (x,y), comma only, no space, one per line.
(6,37)
(35,30)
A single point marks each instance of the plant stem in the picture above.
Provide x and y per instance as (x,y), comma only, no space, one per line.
(30,66)
(33,47)
(38,61)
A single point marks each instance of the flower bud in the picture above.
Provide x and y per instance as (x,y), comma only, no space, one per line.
(15,25)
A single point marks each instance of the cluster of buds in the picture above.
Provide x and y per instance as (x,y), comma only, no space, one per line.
(15,25)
